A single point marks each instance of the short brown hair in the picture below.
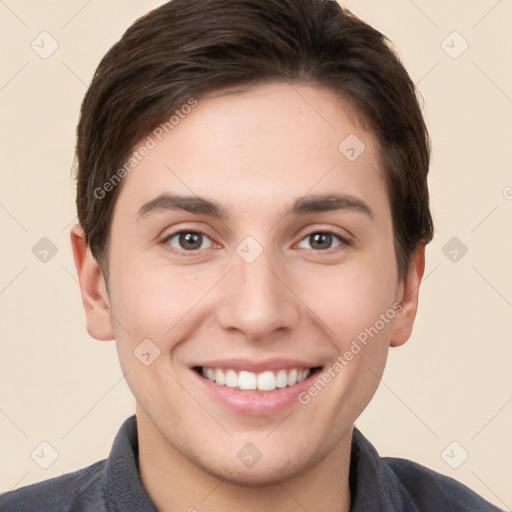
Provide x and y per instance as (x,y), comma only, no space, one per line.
(187,48)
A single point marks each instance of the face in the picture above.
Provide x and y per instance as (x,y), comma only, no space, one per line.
(254,255)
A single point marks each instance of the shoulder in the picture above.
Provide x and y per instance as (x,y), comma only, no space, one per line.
(80,491)
(430,490)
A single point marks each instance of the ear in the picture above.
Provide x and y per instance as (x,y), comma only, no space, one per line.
(92,288)
(407,295)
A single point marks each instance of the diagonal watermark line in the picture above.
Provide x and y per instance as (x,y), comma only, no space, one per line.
(222,480)
(198,301)
(68,224)
(14,76)
(301,301)
(492,419)
(427,73)
(199,403)
(492,211)
(79,78)
(307,192)
(12,12)
(487,14)
(424,279)
(287,492)
(14,423)
(410,409)
(14,218)
(430,273)
(506,505)
(19,481)
(299,94)
(493,287)
(376,171)
(293,497)
(491,80)
(93,299)
(76,14)
(424,13)
(68,480)
(169,169)
(88,412)
(13,279)
(280,423)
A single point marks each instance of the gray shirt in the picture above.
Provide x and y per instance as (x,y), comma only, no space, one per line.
(113,485)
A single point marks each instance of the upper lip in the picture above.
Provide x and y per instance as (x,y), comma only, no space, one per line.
(255,366)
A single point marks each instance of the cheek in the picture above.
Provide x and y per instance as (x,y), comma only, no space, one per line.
(152,308)
(152,303)
(352,299)
(359,307)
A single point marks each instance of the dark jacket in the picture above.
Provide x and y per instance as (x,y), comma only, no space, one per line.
(113,485)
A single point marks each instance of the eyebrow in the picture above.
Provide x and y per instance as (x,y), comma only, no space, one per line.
(302,206)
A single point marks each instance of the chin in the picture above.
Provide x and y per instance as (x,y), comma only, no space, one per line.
(264,472)
(254,478)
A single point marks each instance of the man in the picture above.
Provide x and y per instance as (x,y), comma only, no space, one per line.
(253,214)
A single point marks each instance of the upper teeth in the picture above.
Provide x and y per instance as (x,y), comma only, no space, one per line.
(264,381)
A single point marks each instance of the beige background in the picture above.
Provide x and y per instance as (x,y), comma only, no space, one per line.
(451,382)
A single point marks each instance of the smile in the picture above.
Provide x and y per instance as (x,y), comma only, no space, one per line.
(252,386)
(268,380)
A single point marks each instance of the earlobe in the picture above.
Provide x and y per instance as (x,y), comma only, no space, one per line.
(92,288)
(407,296)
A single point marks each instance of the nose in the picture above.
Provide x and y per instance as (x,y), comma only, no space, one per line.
(256,299)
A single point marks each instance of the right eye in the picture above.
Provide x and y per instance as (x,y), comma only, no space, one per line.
(186,240)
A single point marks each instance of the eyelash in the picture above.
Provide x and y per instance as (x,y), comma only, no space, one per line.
(343,241)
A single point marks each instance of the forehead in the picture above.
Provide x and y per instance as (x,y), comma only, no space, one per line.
(259,147)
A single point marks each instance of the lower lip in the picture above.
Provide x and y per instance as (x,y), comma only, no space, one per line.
(255,403)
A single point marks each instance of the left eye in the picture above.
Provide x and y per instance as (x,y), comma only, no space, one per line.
(322,240)
(187,240)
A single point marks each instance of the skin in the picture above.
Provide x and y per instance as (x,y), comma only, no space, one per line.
(254,152)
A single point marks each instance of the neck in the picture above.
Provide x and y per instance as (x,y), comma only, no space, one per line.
(173,482)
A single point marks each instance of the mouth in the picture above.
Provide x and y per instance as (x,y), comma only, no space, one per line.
(265,381)
(252,387)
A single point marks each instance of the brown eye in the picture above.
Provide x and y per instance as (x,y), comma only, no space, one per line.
(187,240)
(323,240)
(320,240)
